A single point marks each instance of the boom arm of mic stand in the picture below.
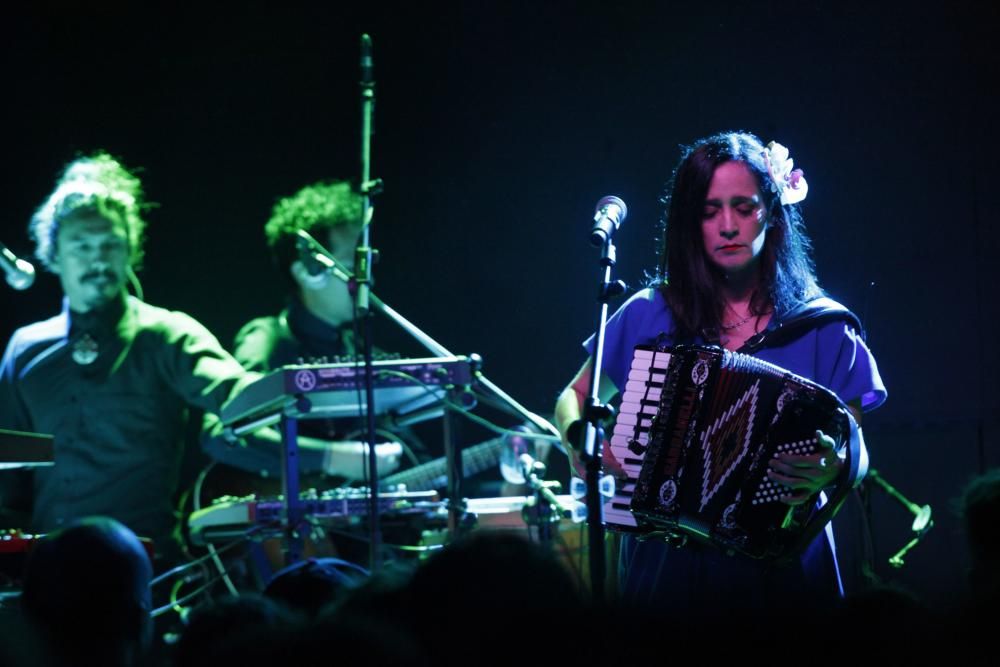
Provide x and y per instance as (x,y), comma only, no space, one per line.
(922,521)
(409,327)
(439,350)
(342,272)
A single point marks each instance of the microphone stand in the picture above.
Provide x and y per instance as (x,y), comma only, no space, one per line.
(341,272)
(922,521)
(361,287)
(439,350)
(547,510)
(594,414)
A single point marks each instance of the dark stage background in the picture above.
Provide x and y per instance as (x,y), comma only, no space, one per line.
(499,125)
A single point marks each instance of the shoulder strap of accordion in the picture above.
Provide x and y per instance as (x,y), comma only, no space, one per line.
(806,317)
(855,467)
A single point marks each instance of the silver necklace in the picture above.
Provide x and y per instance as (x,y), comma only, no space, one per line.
(727,327)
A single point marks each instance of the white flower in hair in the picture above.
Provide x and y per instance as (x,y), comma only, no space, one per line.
(788,182)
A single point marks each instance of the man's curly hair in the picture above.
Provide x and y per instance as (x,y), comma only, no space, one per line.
(315,209)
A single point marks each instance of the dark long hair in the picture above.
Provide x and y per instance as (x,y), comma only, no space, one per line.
(689,282)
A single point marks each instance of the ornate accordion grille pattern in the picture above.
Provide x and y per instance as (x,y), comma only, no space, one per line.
(696,428)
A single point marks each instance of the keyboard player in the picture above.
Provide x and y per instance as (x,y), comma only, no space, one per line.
(315,327)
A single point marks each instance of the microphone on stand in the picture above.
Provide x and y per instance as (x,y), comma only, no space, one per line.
(367,63)
(519,466)
(362,304)
(317,272)
(608,217)
(512,456)
(530,466)
(20,272)
(318,263)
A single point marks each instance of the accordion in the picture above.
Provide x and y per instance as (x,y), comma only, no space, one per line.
(695,431)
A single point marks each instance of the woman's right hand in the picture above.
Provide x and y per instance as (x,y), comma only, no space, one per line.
(569,413)
(609,464)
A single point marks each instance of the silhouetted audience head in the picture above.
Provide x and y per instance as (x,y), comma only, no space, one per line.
(980,512)
(86,590)
(370,623)
(384,593)
(494,593)
(310,585)
(362,639)
(244,630)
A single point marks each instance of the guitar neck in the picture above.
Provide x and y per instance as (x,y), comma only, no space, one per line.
(434,474)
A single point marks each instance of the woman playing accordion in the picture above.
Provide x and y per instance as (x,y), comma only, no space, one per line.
(735,272)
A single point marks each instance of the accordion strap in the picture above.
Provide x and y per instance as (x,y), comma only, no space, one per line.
(807,317)
(854,467)
(801,320)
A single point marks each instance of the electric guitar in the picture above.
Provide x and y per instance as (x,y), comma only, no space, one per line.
(434,474)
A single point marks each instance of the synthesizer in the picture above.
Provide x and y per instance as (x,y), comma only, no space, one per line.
(229,517)
(328,391)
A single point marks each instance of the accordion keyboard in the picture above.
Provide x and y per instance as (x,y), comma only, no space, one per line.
(640,402)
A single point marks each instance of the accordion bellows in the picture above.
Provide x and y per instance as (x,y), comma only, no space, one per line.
(696,429)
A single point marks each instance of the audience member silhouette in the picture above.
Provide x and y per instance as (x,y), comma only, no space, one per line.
(246,630)
(310,585)
(980,513)
(494,594)
(86,591)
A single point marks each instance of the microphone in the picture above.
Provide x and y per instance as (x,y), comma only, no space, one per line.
(318,262)
(367,66)
(20,272)
(529,465)
(515,448)
(610,214)
(318,267)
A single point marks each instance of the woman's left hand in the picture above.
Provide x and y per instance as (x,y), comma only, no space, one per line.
(806,475)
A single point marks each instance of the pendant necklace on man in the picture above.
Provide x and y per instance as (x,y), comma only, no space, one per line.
(85,350)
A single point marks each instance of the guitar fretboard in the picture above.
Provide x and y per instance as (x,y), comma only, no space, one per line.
(434,474)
